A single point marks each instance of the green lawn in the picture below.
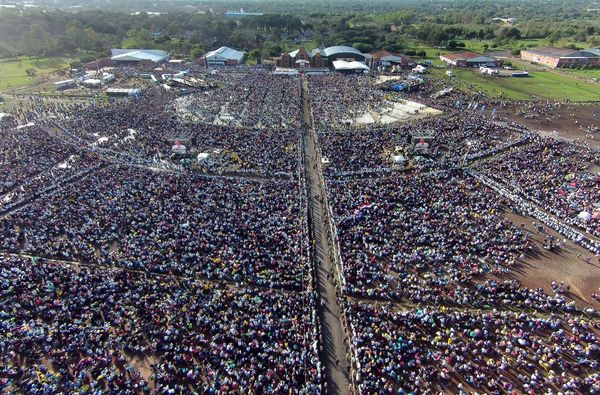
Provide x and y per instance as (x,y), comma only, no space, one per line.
(477,45)
(433,54)
(539,85)
(13,70)
(585,74)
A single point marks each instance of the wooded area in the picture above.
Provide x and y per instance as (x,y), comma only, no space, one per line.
(89,34)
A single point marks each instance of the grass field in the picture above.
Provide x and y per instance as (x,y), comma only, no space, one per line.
(477,45)
(433,54)
(586,74)
(539,85)
(13,71)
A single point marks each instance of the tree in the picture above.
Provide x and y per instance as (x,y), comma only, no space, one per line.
(554,37)
(173,29)
(78,36)
(363,47)
(254,54)
(31,41)
(510,33)
(31,72)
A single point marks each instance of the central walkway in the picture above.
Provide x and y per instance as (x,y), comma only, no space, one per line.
(334,351)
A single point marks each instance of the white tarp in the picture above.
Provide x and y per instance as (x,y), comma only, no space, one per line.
(342,65)
(398,158)
(585,216)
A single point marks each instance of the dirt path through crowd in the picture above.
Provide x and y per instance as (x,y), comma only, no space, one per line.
(334,352)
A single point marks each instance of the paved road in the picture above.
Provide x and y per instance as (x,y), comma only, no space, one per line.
(333,354)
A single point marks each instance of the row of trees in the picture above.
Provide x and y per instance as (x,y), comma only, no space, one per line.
(90,34)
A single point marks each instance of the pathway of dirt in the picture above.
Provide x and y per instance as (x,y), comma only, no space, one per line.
(334,357)
(568,121)
(566,264)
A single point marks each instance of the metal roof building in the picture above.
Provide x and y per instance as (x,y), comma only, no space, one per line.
(124,92)
(138,55)
(224,55)
(343,52)
(469,59)
(561,57)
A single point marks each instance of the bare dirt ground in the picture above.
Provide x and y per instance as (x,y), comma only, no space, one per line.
(569,121)
(143,366)
(565,264)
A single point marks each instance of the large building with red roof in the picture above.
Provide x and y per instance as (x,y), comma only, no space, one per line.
(469,59)
(385,59)
(560,57)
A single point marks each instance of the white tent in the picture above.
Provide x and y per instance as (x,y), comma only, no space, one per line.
(108,78)
(342,65)
(5,116)
(202,156)
(585,216)
(224,55)
(399,159)
(138,55)
(419,69)
(91,82)
(65,84)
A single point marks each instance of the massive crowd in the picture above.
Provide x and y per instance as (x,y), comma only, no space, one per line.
(560,176)
(96,330)
(239,230)
(26,152)
(148,127)
(247,98)
(337,98)
(452,139)
(34,162)
(119,275)
(403,236)
(441,350)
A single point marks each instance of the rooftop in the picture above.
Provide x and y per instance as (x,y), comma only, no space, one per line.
(227,53)
(461,56)
(554,52)
(139,54)
(341,49)
(344,65)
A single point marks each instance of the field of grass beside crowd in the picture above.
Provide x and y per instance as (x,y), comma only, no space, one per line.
(13,71)
(539,85)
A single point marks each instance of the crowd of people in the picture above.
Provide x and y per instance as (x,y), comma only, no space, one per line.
(148,127)
(452,139)
(560,176)
(119,275)
(26,152)
(442,350)
(89,329)
(213,227)
(246,99)
(401,236)
(337,98)
(35,162)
